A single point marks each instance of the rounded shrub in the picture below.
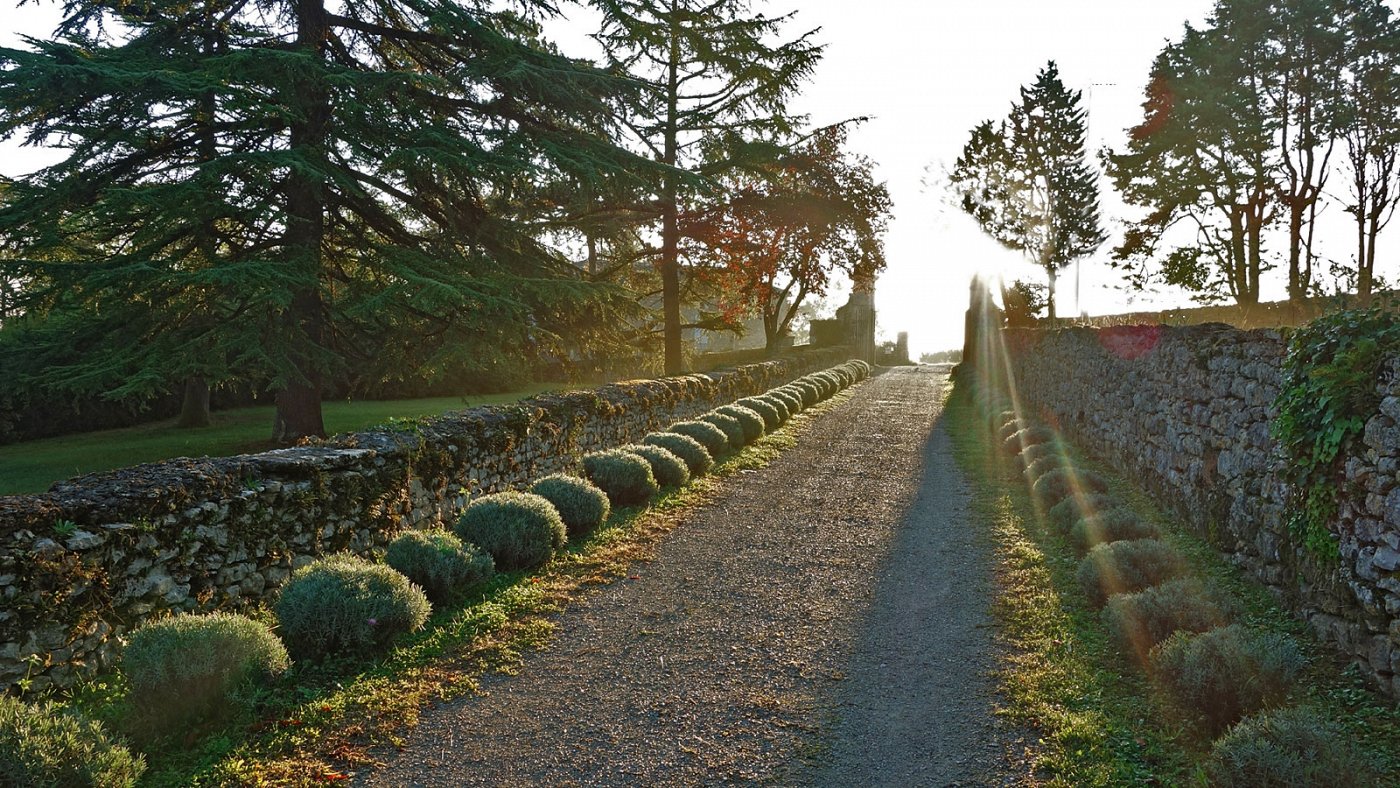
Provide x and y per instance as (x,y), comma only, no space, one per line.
(1029,436)
(669,470)
(844,375)
(1057,484)
(519,530)
(441,564)
(1227,673)
(862,368)
(1288,748)
(827,382)
(1066,513)
(1043,464)
(733,430)
(1112,525)
(43,746)
(581,505)
(790,399)
(1127,566)
(809,393)
(779,405)
(708,435)
(696,457)
(766,410)
(185,665)
(1031,454)
(625,477)
(343,604)
(1141,620)
(751,420)
(1009,428)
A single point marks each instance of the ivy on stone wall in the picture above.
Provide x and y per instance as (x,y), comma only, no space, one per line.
(1329,389)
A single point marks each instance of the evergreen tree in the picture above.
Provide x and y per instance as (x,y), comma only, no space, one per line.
(1027,181)
(715,82)
(284,191)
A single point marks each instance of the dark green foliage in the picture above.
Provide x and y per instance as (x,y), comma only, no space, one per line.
(773,413)
(1066,513)
(669,470)
(749,419)
(1139,621)
(625,477)
(1059,483)
(184,665)
(1225,674)
(862,369)
(581,505)
(696,457)
(1288,748)
(519,530)
(708,435)
(1127,566)
(283,214)
(41,746)
(733,430)
(345,605)
(1109,525)
(1030,436)
(440,563)
(1329,390)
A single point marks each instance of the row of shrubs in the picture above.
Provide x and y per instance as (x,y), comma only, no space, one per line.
(1231,680)
(185,666)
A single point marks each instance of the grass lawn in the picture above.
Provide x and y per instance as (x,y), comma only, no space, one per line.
(32,466)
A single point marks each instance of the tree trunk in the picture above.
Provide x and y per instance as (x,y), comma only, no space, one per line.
(299,404)
(1297,283)
(670,231)
(194,411)
(1050,294)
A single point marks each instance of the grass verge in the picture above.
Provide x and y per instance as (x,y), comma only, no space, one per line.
(1100,722)
(32,466)
(321,723)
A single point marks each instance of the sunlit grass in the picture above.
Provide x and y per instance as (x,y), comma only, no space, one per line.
(1061,676)
(34,465)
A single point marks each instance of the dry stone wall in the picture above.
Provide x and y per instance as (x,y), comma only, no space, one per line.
(1187,411)
(97,555)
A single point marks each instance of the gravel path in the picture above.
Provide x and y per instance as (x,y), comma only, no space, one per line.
(825,623)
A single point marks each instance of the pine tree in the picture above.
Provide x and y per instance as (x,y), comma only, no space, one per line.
(1027,181)
(290,193)
(715,82)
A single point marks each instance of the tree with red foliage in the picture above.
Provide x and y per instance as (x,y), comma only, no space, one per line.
(789,227)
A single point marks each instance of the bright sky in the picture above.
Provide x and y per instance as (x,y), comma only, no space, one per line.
(928,71)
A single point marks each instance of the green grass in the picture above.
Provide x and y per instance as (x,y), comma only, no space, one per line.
(34,465)
(1099,720)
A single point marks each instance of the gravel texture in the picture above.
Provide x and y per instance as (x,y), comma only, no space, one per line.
(824,623)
